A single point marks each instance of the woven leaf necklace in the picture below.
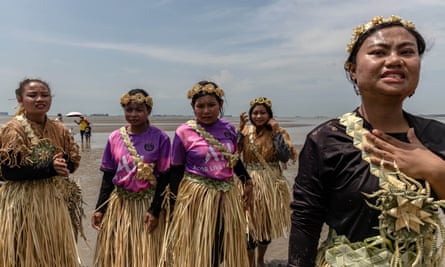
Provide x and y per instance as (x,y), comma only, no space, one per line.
(144,170)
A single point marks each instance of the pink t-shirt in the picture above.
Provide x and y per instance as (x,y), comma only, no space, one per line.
(201,158)
(153,146)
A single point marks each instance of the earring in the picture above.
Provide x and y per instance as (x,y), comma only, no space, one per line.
(356,90)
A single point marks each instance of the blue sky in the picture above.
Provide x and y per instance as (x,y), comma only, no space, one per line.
(292,51)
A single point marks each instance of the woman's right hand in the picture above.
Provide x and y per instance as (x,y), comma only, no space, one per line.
(243,119)
(248,195)
(150,221)
(60,165)
(96,220)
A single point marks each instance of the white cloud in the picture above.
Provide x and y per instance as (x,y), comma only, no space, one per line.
(289,50)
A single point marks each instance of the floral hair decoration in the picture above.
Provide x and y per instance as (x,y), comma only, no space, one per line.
(363,28)
(138,98)
(261,101)
(208,88)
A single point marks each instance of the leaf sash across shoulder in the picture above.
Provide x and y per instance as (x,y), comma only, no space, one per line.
(144,170)
(254,148)
(232,159)
(42,152)
(409,220)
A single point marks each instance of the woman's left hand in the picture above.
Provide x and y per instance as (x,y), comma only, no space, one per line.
(274,125)
(243,119)
(413,158)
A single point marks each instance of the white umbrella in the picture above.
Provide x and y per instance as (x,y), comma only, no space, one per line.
(74,114)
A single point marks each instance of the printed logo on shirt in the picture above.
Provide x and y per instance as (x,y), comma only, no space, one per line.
(149,147)
(227,134)
(213,154)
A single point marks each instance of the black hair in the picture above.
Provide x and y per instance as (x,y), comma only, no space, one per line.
(25,82)
(137,90)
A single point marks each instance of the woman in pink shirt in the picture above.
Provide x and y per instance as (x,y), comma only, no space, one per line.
(134,162)
(208,225)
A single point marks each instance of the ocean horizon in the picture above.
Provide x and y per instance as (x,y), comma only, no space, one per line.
(102,126)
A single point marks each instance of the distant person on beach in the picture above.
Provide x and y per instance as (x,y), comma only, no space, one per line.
(59,117)
(37,156)
(88,133)
(373,175)
(83,123)
(208,224)
(134,162)
(263,145)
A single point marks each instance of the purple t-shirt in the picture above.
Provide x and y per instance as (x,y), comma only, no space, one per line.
(153,146)
(201,158)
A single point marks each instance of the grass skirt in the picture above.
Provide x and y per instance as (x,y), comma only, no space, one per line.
(123,240)
(36,228)
(270,216)
(198,212)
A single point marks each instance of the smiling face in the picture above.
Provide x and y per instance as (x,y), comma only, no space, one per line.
(36,100)
(207,109)
(387,64)
(259,115)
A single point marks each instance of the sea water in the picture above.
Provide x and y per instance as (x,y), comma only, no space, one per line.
(297,127)
(298,130)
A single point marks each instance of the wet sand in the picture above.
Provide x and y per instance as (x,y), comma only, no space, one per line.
(90,176)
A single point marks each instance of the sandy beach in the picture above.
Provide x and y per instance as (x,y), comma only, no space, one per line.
(89,177)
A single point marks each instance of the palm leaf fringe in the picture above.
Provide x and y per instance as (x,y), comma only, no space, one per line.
(36,228)
(124,240)
(270,215)
(197,212)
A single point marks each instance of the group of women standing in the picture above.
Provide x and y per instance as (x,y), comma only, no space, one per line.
(195,193)
(374,176)
(186,203)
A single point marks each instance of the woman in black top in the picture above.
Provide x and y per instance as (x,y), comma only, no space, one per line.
(347,159)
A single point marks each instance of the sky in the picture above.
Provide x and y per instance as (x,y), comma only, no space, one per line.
(291,51)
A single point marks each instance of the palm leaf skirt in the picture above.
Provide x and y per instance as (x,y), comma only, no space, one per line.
(36,228)
(124,240)
(199,214)
(270,216)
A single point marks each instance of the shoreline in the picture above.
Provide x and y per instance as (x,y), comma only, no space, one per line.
(164,123)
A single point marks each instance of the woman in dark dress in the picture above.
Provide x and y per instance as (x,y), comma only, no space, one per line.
(374,175)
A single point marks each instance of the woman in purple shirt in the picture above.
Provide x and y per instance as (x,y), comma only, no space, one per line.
(135,160)
(208,225)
